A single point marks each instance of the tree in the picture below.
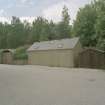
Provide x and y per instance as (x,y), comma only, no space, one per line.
(16,37)
(3,38)
(27,33)
(52,31)
(15,20)
(84,25)
(100,24)
(65,16)
(40,30)
(63,28)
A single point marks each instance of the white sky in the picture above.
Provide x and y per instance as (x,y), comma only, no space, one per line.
(29,9)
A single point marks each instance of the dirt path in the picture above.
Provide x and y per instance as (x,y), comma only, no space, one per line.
(37,85)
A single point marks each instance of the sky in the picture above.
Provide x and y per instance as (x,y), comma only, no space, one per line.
(30,9)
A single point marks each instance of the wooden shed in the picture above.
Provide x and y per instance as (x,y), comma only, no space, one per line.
(59,53)
(92,58)
(6,56)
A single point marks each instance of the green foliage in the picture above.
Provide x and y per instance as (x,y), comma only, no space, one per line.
(63,28)
(90,24)
(65,16)
(84,25)
(3,36)
(0,56)
(20,53)
(100,25)
(37,29)
(19,34)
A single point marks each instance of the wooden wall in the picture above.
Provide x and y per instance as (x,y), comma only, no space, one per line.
(91,58)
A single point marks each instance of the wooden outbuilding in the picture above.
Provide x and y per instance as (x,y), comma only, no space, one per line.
(59,53)
(92,58)
(6,56)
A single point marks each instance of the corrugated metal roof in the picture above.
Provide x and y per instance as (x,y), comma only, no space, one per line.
(54,44)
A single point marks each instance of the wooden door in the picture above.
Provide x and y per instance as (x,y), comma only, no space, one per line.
(7,58)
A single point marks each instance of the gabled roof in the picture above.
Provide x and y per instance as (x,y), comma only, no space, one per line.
(55,44)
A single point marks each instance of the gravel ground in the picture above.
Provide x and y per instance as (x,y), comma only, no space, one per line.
(38,85)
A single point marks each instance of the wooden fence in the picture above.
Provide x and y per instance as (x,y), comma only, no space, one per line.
(6,57)
(92,58)
(20,62)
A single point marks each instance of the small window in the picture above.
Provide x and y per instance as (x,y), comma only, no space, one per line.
(36,47)
(60,46)
(51,42)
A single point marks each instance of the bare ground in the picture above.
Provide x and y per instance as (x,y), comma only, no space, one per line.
(38,85)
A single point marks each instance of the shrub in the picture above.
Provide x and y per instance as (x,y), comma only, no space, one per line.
(20,53)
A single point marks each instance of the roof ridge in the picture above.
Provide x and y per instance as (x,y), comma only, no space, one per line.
(57,40)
